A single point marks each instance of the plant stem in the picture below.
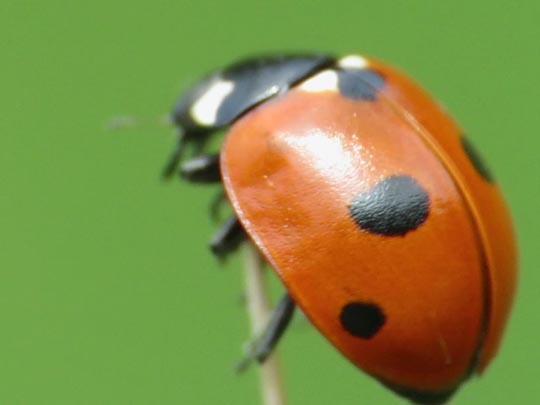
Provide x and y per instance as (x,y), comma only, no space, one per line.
(259,309)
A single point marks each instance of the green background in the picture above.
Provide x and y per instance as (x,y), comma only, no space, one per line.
(108,294)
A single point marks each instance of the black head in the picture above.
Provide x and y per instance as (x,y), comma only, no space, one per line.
(221,97)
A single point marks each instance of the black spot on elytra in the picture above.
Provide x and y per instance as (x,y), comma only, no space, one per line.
(360,84)
(476,159)
(362,319)
(393,207)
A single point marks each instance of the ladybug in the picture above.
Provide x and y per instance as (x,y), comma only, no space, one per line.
(371,205)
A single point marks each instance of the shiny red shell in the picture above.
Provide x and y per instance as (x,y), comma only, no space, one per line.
(291,168)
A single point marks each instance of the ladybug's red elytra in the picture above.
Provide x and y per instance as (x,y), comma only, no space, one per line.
(371,205)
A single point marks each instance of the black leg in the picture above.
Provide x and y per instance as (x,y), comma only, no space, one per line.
(202,169)
(227,238)
(265,344)
(215,205)
(199,142)
(196,141)
(176,156)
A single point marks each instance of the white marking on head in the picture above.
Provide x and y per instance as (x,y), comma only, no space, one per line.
(327,80)
(205,109)
(353,62)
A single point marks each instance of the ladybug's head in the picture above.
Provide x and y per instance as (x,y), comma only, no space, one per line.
(220,98)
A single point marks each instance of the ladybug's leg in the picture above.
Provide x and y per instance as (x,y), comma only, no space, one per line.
(194,140)
(216,204)
(265,344)
(280,319)
(227,238)
(202,169)
(176,156)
